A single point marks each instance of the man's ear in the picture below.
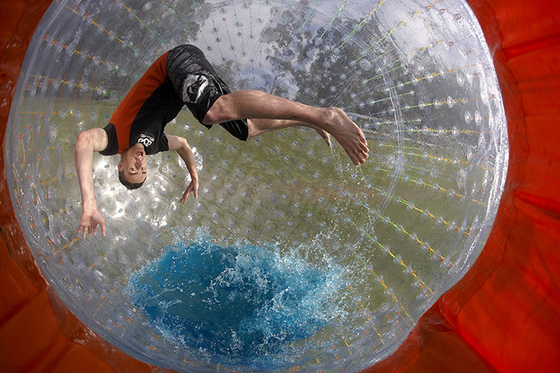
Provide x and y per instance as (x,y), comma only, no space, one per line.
(120,166)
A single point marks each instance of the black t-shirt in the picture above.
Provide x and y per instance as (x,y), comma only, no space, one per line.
(144,112)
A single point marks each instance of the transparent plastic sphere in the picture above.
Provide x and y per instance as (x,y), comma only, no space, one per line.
(326,266)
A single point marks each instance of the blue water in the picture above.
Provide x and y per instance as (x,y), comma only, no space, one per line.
(240,304)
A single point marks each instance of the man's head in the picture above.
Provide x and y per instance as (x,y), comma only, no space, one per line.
(132,167)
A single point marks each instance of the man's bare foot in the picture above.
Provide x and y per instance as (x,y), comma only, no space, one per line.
(348,134)
(324,134)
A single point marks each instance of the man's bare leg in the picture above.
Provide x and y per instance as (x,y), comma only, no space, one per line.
(259,126)
(282,113)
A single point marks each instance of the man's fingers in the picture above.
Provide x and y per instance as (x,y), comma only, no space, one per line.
(191,188)
(185,196)
(91,231)
(82,231)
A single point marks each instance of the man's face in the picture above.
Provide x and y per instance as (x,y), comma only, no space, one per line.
(133,163)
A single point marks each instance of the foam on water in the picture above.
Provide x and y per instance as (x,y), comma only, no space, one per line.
(240,304)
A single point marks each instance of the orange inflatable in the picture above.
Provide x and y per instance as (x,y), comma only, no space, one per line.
(504,315)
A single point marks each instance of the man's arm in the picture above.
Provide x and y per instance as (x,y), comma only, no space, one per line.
(181,146)
(88,142)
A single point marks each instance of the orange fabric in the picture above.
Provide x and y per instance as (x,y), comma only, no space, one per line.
(129,107)
(502,316)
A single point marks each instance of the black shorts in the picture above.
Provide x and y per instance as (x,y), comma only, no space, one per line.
(197,83)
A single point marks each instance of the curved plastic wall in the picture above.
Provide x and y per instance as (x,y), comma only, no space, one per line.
(291,256)
(446,314)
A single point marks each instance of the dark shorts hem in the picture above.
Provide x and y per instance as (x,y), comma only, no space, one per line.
(198,85)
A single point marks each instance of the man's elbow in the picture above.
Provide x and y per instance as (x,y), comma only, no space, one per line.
(84,142)
(184,145)
(83,138)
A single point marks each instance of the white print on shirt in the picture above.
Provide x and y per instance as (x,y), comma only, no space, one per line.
(146,140)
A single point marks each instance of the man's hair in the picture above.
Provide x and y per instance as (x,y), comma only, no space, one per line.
(128,184)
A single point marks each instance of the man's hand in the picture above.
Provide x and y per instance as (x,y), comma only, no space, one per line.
(193,187)
(181,146)
(89,221)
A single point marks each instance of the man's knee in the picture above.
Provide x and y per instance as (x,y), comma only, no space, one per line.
(210,117)
(218,112)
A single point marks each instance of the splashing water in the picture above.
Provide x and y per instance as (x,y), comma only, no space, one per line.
(245,303)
